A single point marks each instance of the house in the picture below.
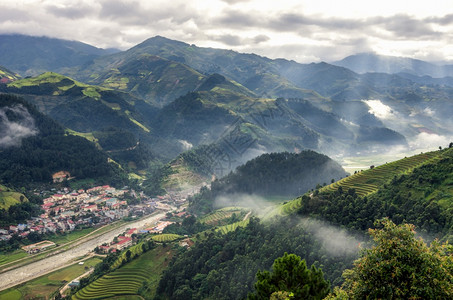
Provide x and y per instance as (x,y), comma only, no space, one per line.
(91,208)
(130,232)
(123,243)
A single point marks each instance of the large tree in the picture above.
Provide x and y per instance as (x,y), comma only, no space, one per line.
(400,266)
(290,276)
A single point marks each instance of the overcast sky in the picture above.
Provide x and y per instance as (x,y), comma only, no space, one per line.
(304,30)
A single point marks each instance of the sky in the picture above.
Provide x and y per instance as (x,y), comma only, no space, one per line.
(304,30)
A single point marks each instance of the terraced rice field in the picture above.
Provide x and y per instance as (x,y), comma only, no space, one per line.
(290,207)
(368,181)
(232,227)
(220,214)
(120,282)
(166,237)
(135,250)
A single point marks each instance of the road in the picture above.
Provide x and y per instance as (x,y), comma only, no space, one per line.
(25,273)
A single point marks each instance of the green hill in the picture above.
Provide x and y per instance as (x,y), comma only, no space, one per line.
(415,190)
(269,175)
(368,181)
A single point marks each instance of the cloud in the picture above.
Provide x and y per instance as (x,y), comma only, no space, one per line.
(305,32)
(74,10)
(379,109)
(430,141)
(16,123)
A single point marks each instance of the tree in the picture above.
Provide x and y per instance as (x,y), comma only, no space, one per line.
(400,266)
(290,276)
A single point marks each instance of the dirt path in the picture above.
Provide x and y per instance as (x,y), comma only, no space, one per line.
(63,289)
(247,216)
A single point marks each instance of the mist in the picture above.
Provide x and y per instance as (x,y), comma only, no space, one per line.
(336,241)
(259,205)
(16,123)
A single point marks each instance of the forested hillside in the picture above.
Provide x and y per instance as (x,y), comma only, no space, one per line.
(34,147)
(421,197)
(224,266)
(274,174)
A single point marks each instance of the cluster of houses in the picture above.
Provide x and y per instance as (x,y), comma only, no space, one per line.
(120,243)
(66,210)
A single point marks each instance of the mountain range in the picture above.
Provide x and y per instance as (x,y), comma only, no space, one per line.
(173,96)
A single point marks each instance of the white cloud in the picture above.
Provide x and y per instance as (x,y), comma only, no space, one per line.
(316,30)
(379,109)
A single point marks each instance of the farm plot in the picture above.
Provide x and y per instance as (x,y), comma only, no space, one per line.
(127,280)
(216,217)
(166,237)
(232,227)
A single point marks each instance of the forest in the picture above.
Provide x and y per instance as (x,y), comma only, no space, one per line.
(224,266)
(271,174)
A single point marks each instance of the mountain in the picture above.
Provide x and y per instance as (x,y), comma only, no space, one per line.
(154,79)
(370,62)
(115,121)
(30,55)
(79,106)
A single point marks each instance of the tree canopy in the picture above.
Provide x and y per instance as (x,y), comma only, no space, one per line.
(400,266)
(291,275)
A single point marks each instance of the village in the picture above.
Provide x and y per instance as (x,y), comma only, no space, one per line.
(68,210)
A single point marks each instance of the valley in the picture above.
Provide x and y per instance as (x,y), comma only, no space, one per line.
(176,171)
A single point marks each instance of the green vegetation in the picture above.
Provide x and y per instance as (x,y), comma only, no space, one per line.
(129,279)
(421,197)
(232,227)
(220,216)
(400,266)
(368,181)
(223,266)
(166,237)
(291,276)
(9,197)
(274,174)
(47,285)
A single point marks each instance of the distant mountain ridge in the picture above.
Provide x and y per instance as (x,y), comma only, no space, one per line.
(31,55)
(370,62)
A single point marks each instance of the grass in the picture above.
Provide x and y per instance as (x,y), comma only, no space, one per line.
(13,256)
(125,281)
(9,197)
(43,287)
(73,235)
